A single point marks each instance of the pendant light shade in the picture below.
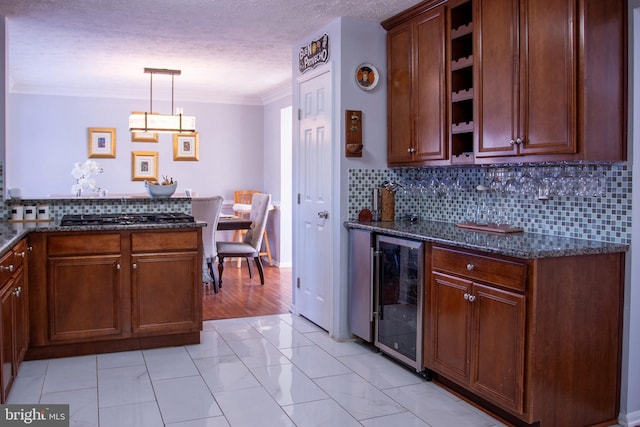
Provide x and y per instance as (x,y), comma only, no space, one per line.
(154,122)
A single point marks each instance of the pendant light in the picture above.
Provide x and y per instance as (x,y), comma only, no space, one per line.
(163,123)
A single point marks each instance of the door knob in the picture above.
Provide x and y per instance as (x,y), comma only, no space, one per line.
(323,214)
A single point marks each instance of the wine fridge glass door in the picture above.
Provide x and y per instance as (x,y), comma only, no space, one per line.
(400,285)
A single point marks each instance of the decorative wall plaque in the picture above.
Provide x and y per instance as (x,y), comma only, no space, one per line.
(314,54)
(367,76)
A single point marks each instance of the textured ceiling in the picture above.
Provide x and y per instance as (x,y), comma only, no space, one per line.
(228,50)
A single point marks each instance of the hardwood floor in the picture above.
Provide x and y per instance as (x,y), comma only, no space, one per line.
(244,297)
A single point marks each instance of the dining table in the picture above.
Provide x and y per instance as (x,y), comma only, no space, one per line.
(232,222)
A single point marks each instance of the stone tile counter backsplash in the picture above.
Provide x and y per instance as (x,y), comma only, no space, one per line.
(578,200)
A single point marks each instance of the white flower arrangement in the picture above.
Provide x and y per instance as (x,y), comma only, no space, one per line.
(83,172)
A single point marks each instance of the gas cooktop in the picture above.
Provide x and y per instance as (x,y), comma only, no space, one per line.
(127,219)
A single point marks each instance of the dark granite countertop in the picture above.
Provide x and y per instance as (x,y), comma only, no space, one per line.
(12,232)
(520,245)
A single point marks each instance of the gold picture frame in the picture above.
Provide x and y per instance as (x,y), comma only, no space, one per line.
(186,146)
(102,143)
(144,165)
(144,136)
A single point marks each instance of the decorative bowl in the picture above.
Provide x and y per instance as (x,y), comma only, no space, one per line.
(158,191)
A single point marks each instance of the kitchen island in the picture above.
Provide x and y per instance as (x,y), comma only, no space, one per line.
(528,326)
(113,286)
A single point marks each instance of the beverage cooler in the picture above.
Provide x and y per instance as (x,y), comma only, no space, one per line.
(398,298)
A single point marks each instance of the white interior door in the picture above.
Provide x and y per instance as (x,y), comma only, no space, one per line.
(315,223)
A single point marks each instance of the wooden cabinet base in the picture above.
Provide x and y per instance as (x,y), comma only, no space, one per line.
(491,409)
(113,346)
(478,402)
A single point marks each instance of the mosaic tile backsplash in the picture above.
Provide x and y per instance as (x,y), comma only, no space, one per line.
(578,200)
(109,205)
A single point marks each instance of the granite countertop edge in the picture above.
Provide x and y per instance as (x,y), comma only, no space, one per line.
(519,245)
(12,232)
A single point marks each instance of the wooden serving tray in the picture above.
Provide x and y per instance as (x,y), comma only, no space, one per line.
(493,228)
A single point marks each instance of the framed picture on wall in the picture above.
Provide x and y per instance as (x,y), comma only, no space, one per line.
(144,165)
(185,146)
(144,136)
(102,142)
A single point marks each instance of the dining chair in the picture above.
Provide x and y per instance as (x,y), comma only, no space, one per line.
(252,240)
(242,208)
(208,209)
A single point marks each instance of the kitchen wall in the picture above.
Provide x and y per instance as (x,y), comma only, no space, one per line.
(352,42)
(48,134)
(630,393)
(277,177)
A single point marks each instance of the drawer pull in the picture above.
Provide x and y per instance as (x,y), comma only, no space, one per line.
(20,254)
(9,268)
(471,267)
(466,296)
(472,298)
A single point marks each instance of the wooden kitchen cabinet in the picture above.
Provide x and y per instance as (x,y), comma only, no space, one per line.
(416,97)
(478,328)
(535,63)
(531,340)
(84,287)
(526,65)
(164,268)
(517,81)
(102,291)
(13,315)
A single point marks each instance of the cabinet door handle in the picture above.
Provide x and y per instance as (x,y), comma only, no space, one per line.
(134,266)
(17,291)
(519,141)
(512,142)
(472,298)
(471,267)
(118,266)
(20,254)
(466,296)
(9,268)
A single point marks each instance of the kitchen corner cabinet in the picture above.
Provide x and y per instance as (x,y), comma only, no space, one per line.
(14,312)
(537,62)
(533,340)
(101,291)
(416,99)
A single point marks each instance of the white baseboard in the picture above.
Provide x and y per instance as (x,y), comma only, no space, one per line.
(629,420)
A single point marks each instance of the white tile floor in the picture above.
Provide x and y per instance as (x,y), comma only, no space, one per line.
(259,371)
